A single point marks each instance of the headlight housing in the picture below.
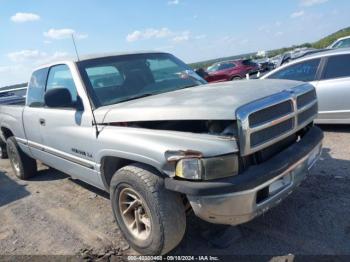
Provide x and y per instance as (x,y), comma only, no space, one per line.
(220,167)
(198,168)
(189,168)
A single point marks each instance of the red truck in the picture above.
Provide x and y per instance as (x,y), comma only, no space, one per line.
(231,70)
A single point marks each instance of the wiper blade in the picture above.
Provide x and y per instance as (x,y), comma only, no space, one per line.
(189,86)
(136,97)
(153,94)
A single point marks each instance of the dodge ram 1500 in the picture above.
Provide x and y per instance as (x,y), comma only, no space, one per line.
(159,139)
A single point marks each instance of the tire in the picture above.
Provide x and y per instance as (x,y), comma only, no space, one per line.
(163,209)
(3,152)
(23,166)
(236,78)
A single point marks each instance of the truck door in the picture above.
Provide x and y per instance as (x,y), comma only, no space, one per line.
(68,133)
(32,112)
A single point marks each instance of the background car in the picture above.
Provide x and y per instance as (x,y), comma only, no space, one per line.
(329,72)
(13,96)
(231,70)
(343,42)
(296,54)
(265,64)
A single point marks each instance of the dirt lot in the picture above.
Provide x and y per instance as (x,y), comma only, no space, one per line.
(53,214)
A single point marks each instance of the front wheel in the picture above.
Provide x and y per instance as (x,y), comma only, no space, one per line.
(236,78)
(151,218)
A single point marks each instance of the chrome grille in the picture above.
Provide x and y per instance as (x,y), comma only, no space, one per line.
(271,119)
(269,114)
(305,99)
(269,133)
(307,114)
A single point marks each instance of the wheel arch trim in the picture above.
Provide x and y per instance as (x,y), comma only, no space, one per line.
(111,161)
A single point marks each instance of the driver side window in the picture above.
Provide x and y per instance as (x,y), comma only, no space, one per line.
(61,77)
(226,66)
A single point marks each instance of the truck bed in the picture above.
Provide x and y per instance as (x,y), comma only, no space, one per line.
(11,117)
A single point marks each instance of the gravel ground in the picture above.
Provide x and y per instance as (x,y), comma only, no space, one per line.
(54,215)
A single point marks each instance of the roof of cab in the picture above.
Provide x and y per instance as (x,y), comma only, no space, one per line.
(96,56)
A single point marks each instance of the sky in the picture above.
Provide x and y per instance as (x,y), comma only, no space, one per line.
(33,32)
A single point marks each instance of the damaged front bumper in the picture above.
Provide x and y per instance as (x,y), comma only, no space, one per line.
(236,200)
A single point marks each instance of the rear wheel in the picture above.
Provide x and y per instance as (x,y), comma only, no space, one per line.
(23,166)
(151,218)
(3,152)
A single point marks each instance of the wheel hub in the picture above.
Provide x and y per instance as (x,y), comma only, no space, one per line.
(134,212)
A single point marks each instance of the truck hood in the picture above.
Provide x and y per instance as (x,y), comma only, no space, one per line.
(206,102)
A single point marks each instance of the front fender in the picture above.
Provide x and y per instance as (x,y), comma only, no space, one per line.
(149,146)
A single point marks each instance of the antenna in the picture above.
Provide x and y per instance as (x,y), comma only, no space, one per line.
(94,122)
(75,47)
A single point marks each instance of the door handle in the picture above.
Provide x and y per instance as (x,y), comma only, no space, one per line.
(42,121)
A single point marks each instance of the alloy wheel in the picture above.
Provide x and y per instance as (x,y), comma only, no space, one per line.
(134,213)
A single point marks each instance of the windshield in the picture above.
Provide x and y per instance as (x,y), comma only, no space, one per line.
(117,79)
(213,68)
(342,43)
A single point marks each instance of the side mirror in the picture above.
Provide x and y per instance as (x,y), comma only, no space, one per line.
(58,97)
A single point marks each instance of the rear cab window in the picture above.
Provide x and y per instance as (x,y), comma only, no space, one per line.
(162,69)
(36,88)
(104,76)
(304,71)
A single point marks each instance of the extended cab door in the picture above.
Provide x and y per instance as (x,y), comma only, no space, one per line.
(32,112)
(68,133)
(333,90)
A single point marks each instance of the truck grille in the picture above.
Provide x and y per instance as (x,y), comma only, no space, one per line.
(305,99)
(269,133)
(307,114)
(269,120)
(269,114)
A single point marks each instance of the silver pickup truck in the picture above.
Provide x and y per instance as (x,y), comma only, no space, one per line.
(161,141)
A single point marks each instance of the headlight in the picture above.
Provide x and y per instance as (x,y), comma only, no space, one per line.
(190,168)
(207,168)
(219,167)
